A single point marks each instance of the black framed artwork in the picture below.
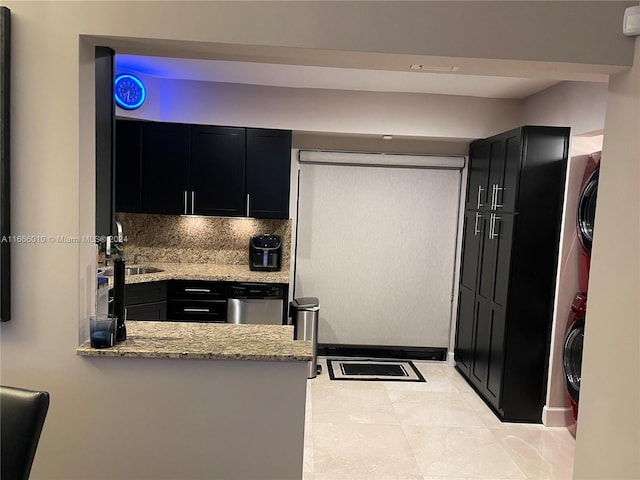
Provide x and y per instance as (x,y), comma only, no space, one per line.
(5,220)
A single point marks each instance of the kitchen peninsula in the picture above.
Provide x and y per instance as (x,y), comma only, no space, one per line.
(210,341)
(241,391)
(222,400)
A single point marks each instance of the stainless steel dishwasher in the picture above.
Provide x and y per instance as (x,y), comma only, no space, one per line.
(256,303)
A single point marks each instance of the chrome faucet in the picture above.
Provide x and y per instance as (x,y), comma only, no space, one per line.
(118,238)
(119,232)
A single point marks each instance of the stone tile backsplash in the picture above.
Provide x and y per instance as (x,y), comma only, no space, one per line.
(194,239)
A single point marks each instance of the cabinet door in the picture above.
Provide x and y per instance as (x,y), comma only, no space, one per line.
(136,293)
(155,311)
(197,311)
(268,172)
(495,257)
(128,166)
(503,229)
(487,261)
(217,171)
(165,167)
(472,240)
(488,350)
(495,350)
(479,161)
(464,330)
(506,153)
(196,290)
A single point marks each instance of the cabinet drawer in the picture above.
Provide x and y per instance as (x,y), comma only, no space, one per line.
(156,311)
(197,310)
(136,293)
(197,290)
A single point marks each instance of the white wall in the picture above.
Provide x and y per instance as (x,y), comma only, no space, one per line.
(52,193)
(582,107)
(608,439)
(334,111)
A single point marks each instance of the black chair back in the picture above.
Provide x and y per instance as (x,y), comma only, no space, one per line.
(22,414)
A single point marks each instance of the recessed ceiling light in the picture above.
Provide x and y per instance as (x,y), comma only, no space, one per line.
(433,68)
(387,137)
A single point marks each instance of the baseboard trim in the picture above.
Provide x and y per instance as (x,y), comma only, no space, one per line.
(451,361)
(556,416)
(380,351)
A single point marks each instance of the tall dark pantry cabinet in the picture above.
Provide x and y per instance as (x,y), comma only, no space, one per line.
(513,215)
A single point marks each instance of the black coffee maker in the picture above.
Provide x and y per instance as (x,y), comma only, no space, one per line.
(265,253)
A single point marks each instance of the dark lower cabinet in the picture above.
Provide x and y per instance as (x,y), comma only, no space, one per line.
(507,279)
(146,301)
(156,311)
(464,351)
(177,301)
(197,301)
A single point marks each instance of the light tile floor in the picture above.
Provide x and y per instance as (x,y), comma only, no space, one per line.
(438,430)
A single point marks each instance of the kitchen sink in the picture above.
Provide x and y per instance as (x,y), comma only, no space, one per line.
(134,271)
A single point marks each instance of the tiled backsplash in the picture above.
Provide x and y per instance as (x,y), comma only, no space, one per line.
(193,239)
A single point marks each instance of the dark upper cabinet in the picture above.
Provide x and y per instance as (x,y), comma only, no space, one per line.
(478,176)
(128,166)
(217,171)
(268,173)
(165,167)
(494,173)
(514,202)
(178,169)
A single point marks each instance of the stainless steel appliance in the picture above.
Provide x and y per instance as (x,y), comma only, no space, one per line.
(305,313)
(256,303)
(265,253)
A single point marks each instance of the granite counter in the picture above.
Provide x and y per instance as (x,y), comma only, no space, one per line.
(205,271)
(212,341)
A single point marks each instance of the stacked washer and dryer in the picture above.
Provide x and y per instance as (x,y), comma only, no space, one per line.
(573,342)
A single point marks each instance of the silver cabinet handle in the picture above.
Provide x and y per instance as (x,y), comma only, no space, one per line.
(199,290)
(248,201)
(494,196)
(492,227)
(185,202)
(195,310)
(480,189)
(193,201)
(476,230)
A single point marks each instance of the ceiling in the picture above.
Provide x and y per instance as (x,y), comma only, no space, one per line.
(439,79)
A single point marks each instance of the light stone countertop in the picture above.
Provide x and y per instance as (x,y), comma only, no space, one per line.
(204,271)
(211,341)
